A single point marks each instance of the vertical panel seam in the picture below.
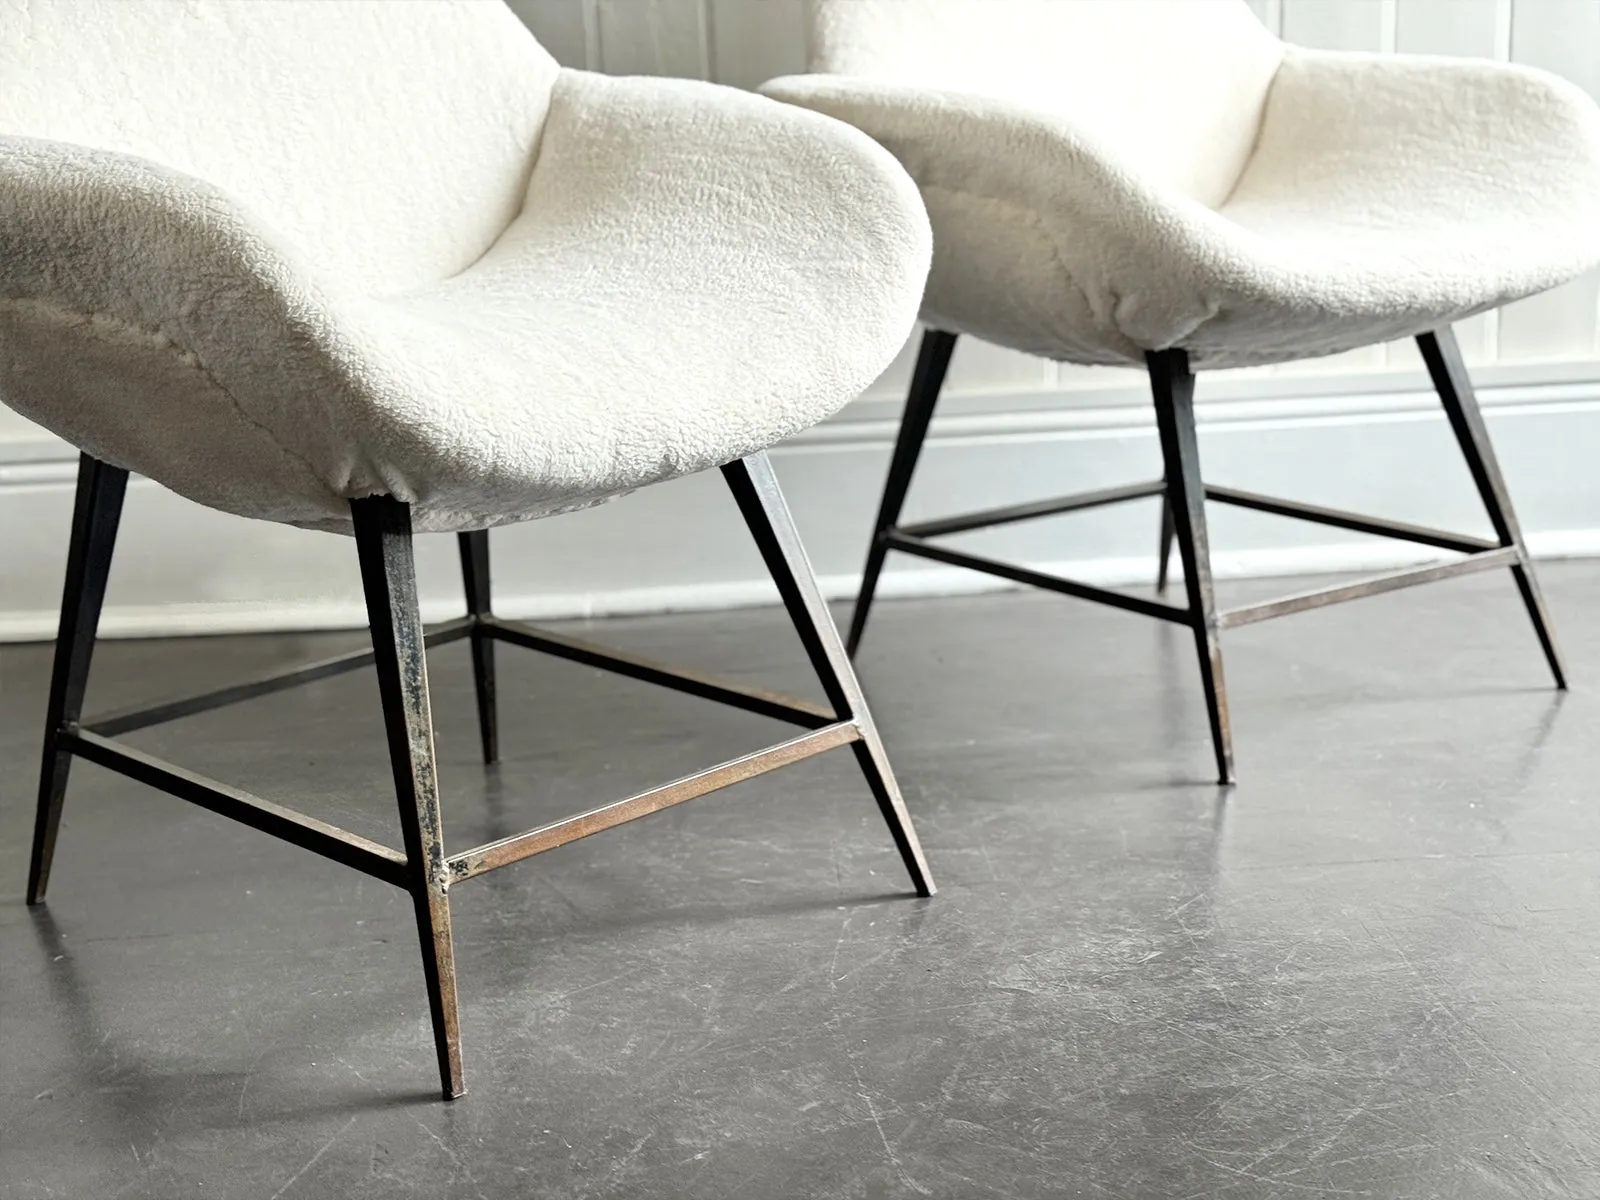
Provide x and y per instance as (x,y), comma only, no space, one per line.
(592,50)
(1388,25)
(1504,21)
(708,43)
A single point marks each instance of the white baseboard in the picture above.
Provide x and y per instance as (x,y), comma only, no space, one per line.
(1374,447)
(203,619)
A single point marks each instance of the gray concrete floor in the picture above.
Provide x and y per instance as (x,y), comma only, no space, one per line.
(1373,969)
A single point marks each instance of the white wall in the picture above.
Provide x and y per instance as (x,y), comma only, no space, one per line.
(1359,431)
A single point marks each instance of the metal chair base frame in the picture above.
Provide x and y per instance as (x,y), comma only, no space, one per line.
(421,866)
(1184,522)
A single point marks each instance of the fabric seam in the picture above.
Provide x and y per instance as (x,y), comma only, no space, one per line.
(183,355)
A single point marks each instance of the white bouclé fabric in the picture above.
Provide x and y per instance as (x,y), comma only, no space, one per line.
(1107,177)
(280,255)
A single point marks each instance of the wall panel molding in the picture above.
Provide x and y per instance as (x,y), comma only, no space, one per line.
(183,569)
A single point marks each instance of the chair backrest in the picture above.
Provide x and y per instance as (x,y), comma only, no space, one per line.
(389,142)
(1174,87)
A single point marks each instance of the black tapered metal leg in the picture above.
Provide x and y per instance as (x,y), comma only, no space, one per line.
(1454,385)
(95,514)
(933,360)
(389,578)
(1167,535)
(756,491)
(475,576)
(1172,386)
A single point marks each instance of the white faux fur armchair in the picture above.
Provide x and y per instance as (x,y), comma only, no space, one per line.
(377,268)
(1163,182)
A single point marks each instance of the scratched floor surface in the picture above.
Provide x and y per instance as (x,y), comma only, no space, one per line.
(1371,970)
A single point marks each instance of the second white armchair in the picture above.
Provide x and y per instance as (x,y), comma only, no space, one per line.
(1164,183)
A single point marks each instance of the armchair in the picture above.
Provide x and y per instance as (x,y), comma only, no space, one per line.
(383,269)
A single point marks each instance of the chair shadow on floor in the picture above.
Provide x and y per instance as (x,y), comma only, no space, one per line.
(195,1101)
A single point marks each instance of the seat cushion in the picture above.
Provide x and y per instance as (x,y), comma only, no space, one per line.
(695,274)
(1385,195)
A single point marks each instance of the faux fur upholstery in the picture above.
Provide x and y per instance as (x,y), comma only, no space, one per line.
(280,255)
(1107,177)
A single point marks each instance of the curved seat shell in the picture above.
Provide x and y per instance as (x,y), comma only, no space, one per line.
(686,274)
(1359,198)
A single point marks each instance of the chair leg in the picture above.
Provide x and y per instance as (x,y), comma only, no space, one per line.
(95,516)
(389,578)
(933,360)
(475,575)
(1167,534)
(755,489)
(1172,385)
(1454,385)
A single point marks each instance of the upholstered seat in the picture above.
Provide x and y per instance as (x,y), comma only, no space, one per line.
(1106,179)
(616,281)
